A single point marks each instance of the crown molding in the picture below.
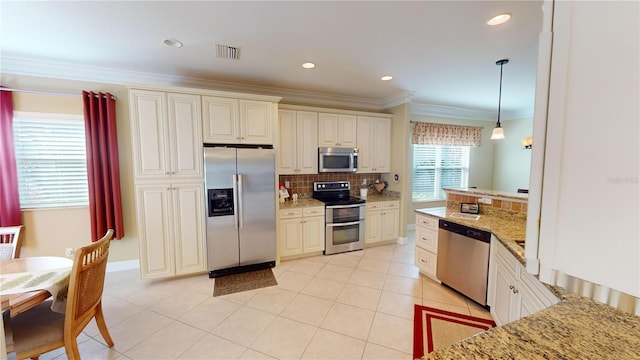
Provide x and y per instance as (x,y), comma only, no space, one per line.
(468,114)
(60,70)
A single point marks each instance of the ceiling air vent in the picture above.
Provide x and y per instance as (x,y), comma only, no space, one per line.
(227,52)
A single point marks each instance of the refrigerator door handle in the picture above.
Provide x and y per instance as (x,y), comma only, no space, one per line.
(235,201)
(241,222)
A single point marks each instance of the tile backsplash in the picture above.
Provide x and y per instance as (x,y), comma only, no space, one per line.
(303,184)
(504,208)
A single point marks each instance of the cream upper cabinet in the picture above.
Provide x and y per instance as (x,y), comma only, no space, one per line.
(374,144)
(298,153)
(166,134)
(237,121)
(337,130)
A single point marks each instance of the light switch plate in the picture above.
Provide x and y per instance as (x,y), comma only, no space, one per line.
(485,201)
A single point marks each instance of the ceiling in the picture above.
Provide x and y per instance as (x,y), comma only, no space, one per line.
(441,54)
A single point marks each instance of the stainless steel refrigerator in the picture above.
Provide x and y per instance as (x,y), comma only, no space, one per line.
(241,195)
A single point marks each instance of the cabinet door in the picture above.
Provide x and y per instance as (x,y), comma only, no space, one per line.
(151,149)
(327,130)
(381,145)
(220,120)
(256,126)
(504,299)
(154,231)
(389,228)
(373,227)
(365,144)
(185,135)
(347,131)
(288,152)
(307,142)
(291,237)
(189,228)
(313,234)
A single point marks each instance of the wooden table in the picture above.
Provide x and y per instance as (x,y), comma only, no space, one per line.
(18,290)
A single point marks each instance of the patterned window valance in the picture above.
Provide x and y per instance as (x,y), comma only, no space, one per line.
(445,134)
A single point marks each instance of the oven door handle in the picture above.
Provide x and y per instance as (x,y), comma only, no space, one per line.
(344,206)
(344,224)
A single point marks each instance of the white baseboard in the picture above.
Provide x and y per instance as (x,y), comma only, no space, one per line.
(123,265)
(402,240)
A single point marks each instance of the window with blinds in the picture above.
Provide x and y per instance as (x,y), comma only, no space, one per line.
(51,160)
(438,166)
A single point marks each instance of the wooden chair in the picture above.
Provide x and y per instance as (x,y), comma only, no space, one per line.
(41,330)
(10,242)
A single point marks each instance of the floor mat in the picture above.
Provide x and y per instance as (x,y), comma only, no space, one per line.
(434,329)
(234,283)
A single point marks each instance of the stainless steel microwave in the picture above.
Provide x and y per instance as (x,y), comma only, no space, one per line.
(337,159)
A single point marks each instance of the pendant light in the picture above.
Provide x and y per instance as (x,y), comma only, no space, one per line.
(498,131)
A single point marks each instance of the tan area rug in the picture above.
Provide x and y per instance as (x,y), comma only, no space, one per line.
(434,329)
(230,284)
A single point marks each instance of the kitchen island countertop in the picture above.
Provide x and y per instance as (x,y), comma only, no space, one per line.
(574,328)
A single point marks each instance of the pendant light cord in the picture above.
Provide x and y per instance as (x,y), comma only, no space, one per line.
(500,94)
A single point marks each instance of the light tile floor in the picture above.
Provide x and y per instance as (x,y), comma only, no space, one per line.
(356,305)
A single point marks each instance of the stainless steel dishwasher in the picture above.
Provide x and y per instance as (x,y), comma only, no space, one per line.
(463,259)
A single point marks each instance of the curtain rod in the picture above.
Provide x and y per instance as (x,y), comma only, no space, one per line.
(48,92)
(414,122)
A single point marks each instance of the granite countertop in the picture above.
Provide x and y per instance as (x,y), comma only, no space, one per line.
(304,202)
(492,193)
(373,196)
(574,328)
(509,231)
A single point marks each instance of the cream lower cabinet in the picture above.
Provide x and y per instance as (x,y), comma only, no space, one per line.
(301,230)
(426,252)
(381,221)
(171,229)
(513,293)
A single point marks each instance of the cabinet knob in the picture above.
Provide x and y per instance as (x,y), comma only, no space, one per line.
(511,287)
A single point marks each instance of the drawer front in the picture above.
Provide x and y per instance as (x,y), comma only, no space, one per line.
(505,256)
(313,211)
(391,205)
(290,213)
(373,206)
(426,262)
(427,239)
(427,221)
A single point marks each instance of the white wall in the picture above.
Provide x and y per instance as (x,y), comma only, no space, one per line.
(512,163)
(590,200)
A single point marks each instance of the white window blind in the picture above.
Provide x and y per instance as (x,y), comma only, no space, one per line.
(438,166)
(51,161)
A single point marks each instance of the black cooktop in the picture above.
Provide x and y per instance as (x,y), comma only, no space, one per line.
(334,193)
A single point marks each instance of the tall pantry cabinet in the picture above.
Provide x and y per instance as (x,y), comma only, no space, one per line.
(166,132)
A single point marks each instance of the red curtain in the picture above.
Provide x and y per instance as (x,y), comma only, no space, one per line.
(103,169)
(9,194)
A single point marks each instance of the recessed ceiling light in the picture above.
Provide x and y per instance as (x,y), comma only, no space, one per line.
(308,65)
(499,19)
(386,78)
(172,43)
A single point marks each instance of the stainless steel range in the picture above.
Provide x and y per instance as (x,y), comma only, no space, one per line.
(344,216)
